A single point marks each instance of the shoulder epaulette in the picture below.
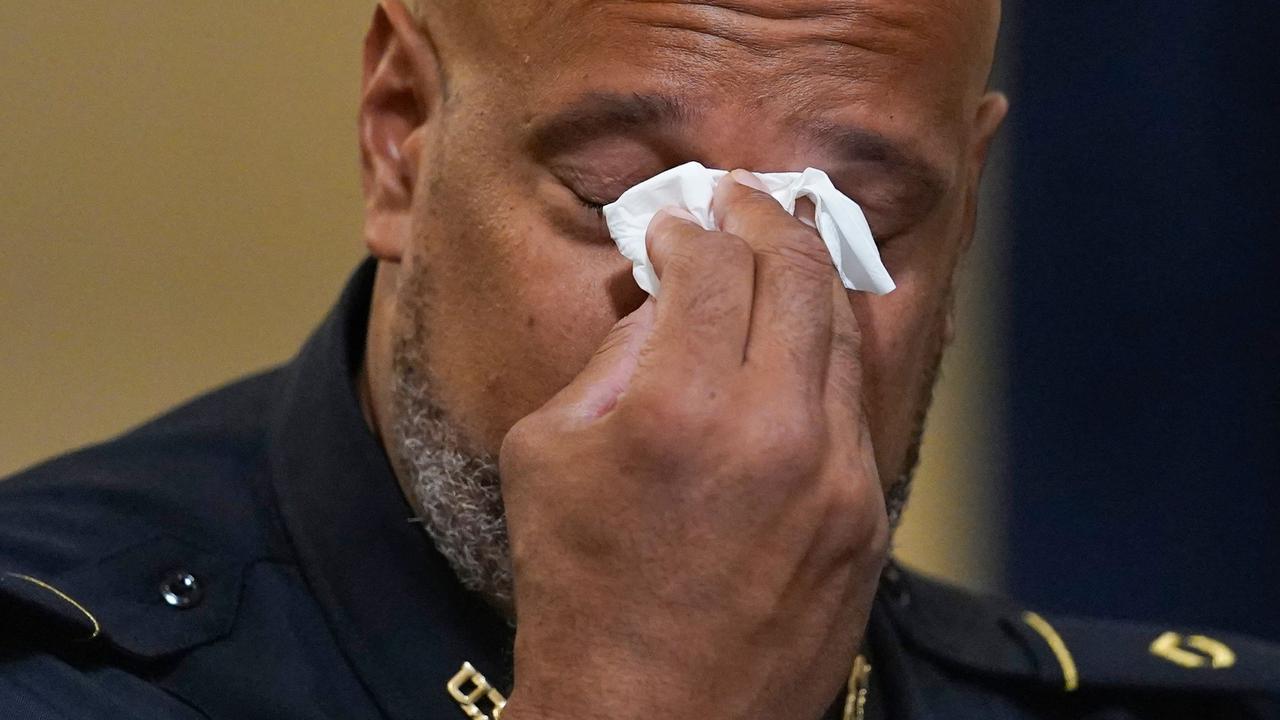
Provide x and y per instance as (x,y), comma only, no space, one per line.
(992,636)
(149,600)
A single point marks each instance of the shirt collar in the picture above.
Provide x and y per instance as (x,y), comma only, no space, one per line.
(395,606)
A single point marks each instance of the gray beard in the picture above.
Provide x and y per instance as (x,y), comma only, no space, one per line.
(457,493)
(458,496)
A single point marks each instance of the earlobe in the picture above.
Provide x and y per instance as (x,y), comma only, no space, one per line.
(400,88)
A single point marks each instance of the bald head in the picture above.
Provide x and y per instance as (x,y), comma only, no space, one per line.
(963,31)
(493,133)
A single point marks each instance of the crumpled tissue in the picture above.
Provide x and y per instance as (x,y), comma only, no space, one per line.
(839,220)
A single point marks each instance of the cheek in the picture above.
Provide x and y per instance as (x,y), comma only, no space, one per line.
(514,309)
(569,296)
(903,331)
(901,335)
(894,332)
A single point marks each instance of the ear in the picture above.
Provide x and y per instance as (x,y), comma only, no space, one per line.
(992,110)
(400,92)
(991,113)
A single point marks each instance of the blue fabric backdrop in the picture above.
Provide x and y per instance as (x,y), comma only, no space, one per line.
(1145,330)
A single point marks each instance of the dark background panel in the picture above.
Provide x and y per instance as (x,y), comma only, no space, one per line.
(1144,348)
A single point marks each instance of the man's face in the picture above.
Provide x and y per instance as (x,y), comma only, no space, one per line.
(493,133)
(550,110)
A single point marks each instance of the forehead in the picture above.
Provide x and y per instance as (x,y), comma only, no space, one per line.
(903,64)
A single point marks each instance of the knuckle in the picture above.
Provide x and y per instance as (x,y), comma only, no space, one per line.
(669,238)
(745,210)
(728,251)
(801,252)
(758,601)
(787,443)
(675,255)
(675,228)
(708,309)
(713,250)
(664,226)
(846,339)
(668,424)
(854,535)
(845,371)
(855,506)
(711,272)
(721,263)
(844,534)
(521,446)
(842,497)
(742,199)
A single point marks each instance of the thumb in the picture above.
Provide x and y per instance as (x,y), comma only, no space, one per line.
(607,374)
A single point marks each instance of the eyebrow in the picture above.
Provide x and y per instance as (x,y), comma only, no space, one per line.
(601,114)
(855,145)
(598,114)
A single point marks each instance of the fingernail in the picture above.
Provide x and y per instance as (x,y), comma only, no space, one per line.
(679,212)
(806,212)
(744,177)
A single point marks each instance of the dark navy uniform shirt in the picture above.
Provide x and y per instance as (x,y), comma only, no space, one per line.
(250,555)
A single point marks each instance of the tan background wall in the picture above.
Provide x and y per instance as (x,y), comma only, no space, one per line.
(179,205)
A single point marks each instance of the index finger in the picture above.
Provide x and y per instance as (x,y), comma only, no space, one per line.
(703,312)
(790,330)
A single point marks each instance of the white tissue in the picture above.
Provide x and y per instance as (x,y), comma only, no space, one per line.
(840,221)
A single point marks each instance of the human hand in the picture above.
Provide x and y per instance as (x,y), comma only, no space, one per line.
(696,521)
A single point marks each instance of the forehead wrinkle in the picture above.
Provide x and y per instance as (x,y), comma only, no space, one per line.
(774,29)
(879,26)
(856,39)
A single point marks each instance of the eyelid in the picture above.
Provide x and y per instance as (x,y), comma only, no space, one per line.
(592,206)
(589,202)
(571,179)
(596,206)
(600,181)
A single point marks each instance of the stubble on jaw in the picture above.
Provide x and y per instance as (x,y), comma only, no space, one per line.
(456,491)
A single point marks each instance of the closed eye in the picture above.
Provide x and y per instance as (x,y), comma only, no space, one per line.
(595,206)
